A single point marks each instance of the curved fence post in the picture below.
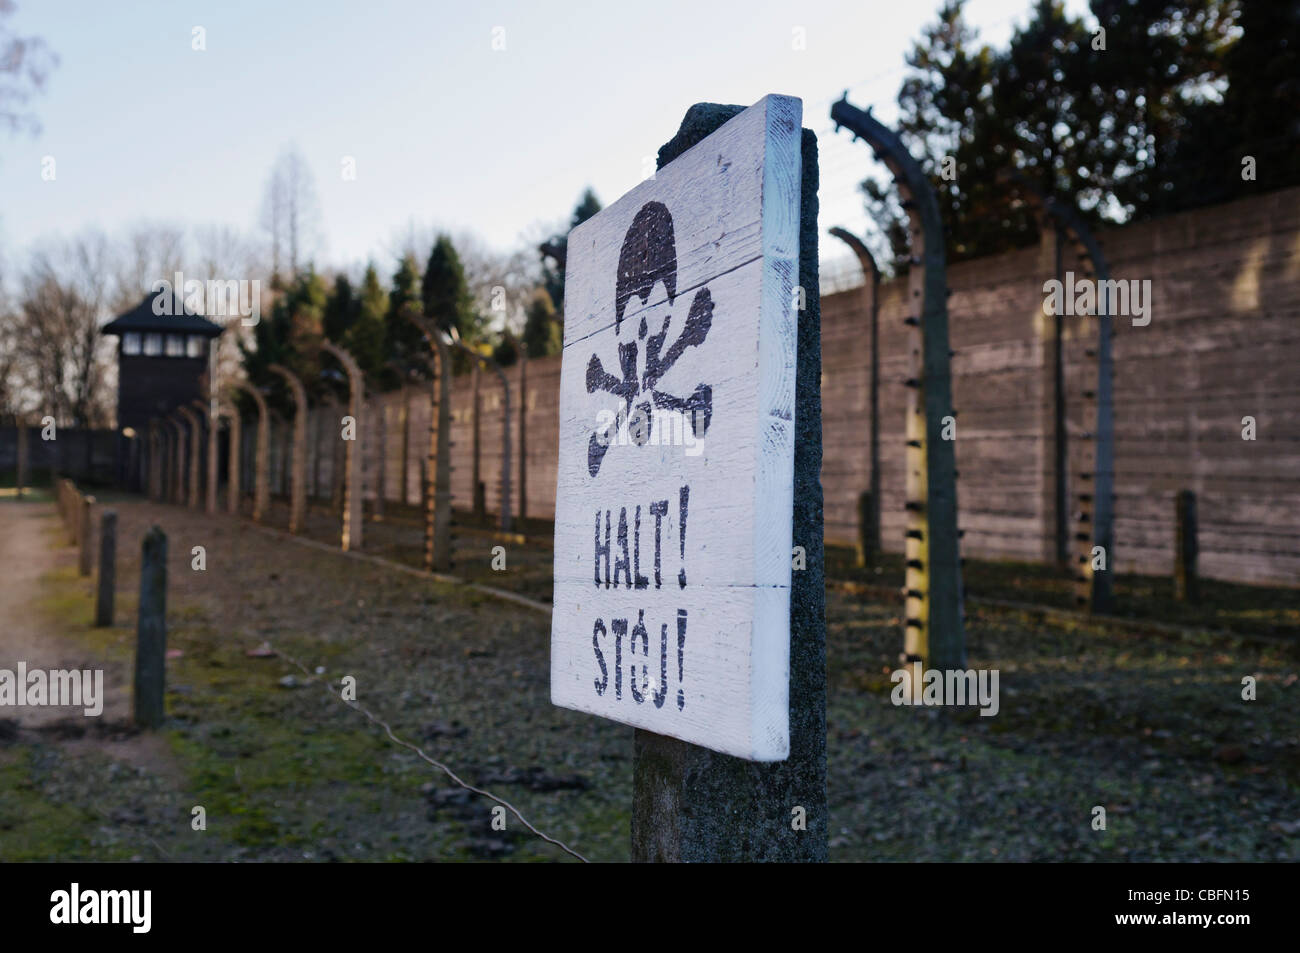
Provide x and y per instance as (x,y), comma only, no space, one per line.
(870,533)
(177,492)
(504,515)
(406,439)
(155,460)
(437,470)
(231,413)
(261,477)
(404,416)
(298,466)
(377,412)
(353,490)
(935,629)
(1095,516)
(210,486)
(196,436)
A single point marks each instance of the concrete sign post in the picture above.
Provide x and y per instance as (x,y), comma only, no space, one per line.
(673,528)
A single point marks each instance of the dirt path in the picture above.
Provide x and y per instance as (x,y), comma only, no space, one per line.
(31,547)
(26,554)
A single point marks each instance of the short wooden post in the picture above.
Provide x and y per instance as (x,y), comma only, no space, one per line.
(151,631)
(20,478)
(85,535)
(523,433)
(71,511)
(380,411)
(107,568)
(866,530)
(1186,582)
(480,492)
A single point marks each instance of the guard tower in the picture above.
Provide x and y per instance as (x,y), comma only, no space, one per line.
(161,357)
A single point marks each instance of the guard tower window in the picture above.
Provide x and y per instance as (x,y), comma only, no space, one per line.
(195,345)
(175,345)
(131,342)
(152,344)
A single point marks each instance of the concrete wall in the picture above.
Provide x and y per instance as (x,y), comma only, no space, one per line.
(1223,343)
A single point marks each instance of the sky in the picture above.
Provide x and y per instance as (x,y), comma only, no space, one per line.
(444,128)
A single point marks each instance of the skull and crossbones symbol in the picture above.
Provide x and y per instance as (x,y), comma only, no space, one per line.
(649,257)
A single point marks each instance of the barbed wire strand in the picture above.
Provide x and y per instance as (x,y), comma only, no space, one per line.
(375,719)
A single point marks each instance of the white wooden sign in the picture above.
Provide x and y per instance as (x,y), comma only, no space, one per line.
(675,493)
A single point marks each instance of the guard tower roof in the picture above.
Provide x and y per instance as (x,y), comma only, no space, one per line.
(144,317)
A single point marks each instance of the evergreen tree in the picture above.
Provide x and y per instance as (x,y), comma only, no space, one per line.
(365,339)
(1262,103)
(444,292)
(543,334)
(1156,85)
(506,350)
(554,250)
(340,309)
(446,298)
(1121,121)
(403,341)
(291,337)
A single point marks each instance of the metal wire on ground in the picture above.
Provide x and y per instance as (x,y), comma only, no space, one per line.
(375,719)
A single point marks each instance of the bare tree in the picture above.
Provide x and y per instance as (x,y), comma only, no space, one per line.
(150,252)
(223,253)
(56,341)
(25,61)
(12,398)
(500,281)
(291,212)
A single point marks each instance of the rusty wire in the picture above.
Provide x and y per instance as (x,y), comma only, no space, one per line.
(375,719)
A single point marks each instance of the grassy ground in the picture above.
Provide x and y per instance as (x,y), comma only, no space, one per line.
(1153,729)
(1224,606)
(1227,607)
